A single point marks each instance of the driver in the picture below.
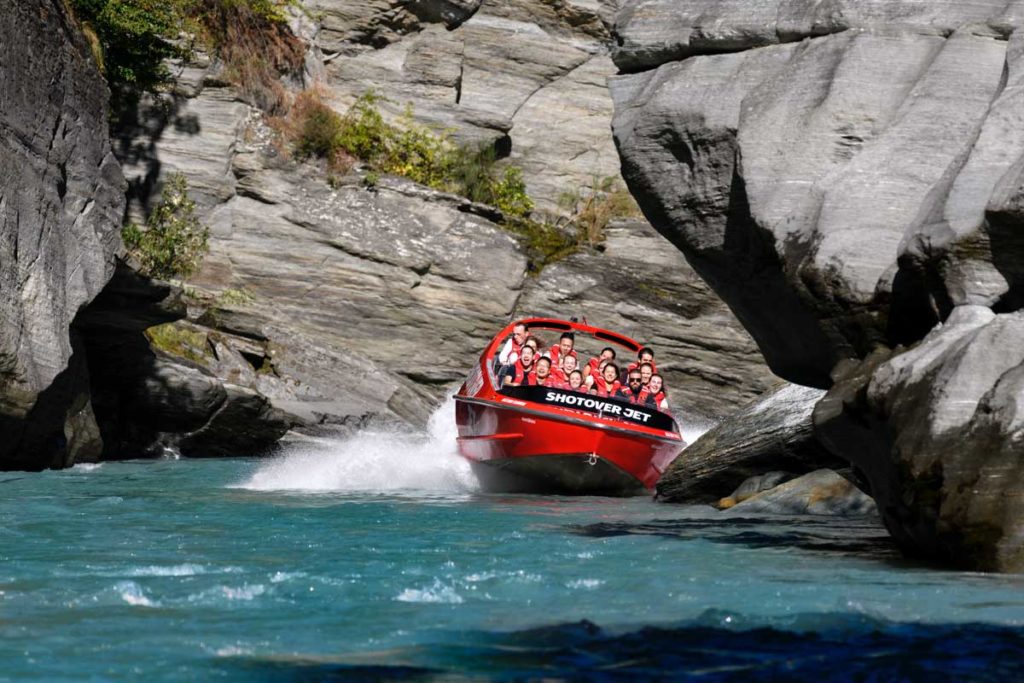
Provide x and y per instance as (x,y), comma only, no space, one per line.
(510,352)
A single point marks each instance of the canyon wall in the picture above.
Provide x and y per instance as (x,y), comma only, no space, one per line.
(848,177)
(61,203)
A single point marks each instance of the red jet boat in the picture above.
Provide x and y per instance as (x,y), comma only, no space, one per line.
(539,439)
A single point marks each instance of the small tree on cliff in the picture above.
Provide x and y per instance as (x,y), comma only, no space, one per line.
(174,241)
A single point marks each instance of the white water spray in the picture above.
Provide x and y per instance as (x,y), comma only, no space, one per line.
(374,462)
(692,428)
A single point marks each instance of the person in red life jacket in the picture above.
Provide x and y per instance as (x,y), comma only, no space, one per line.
(541,375)
(510,352)
(607,383)
(593,366)
(654,394)
(576,381)
(631,392)
(562,349)
(568,366)
(533,343)
(645,355)
(522,368)
(646,372)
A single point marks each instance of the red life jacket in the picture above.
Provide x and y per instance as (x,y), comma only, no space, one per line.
(532,380)
(555,354)
(521,372)
(605,389)
(637,364)
(647,398)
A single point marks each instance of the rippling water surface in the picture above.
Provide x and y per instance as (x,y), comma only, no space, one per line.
(376,558)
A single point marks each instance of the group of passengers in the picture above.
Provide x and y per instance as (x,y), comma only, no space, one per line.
(523,363)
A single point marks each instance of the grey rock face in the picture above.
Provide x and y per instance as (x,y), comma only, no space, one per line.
(936,432)
(525,77)
(652,32)
(774,432)
(820,179)
(61,200)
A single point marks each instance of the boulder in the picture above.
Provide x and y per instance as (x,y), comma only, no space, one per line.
(822,492)
(774,432)
(246,423)
(61,201)
(936,430)
(753,486)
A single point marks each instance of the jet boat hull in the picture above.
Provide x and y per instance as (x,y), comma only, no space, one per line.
(535,440)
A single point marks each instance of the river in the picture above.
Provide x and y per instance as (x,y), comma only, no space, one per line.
(376,558)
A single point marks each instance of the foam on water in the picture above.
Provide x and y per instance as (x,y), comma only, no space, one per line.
(131,593)
(374,462)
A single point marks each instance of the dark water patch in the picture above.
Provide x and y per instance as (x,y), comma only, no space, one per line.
(858,536)
(299,671)
(849,647)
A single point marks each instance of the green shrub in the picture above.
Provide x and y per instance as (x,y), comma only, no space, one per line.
(406,149)
(135,38)
(319,131)
(174,241)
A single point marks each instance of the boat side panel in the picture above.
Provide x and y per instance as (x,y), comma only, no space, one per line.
(523,436)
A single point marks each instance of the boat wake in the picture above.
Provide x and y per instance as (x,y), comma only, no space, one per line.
(374,462)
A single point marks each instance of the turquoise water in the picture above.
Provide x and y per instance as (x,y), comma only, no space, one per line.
(376,558)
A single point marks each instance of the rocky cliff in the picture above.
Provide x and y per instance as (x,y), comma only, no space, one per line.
(61,202)
(847,176)
(346,304)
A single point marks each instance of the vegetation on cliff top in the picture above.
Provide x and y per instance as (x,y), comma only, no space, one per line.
(134,39)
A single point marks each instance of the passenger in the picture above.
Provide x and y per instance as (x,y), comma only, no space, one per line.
(608,382)
(522,368)
(541,375)
(654,394)
(562,349)
(646,372)
(594,376)
(576,381)
(593,366)
(645,355)
(568,367)
(534,343)
(631,392)
(510,352)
